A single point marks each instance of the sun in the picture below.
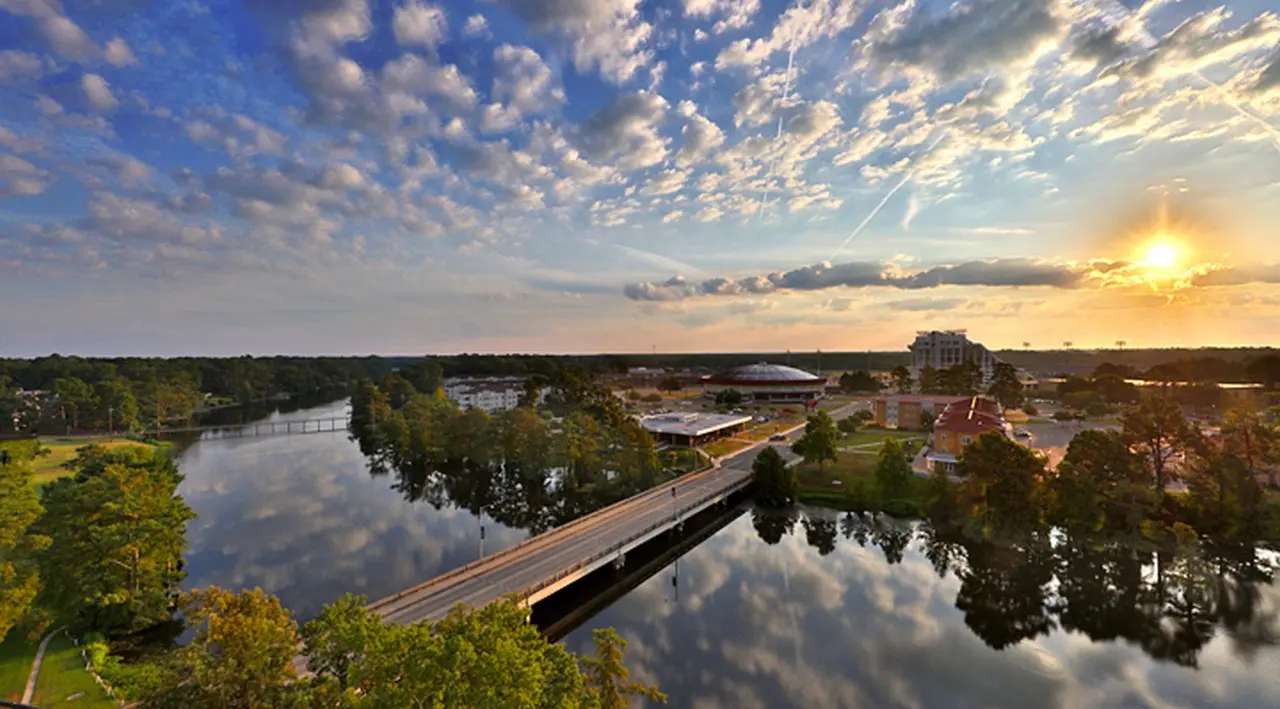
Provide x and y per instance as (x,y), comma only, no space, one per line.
(1162,254)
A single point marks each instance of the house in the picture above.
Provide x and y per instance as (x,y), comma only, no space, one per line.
(960,424)
(907,410)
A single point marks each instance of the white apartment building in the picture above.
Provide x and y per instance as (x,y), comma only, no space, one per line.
(488,394)
(943,349)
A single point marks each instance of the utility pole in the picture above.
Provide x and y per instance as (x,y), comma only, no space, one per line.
(111,426)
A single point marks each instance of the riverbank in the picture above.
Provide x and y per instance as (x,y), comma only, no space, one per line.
(62,450)
(62,680)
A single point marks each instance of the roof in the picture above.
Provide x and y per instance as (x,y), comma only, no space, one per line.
(691,424)
(764,373)
(918,398)
(975,415)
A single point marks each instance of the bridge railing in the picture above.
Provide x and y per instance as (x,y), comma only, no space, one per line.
(527,592)
(506,555)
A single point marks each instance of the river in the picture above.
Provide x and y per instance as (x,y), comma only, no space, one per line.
(816,610)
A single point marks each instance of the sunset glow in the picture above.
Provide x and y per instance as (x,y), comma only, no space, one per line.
(1163,254)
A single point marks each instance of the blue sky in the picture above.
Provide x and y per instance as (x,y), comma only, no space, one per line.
(352,176)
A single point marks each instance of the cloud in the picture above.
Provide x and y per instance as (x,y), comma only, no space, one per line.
(66,38)
(98,91)
(523,81)
(609,35)
(994,230)
(118,54)
(626,130)
(733,14)
(15,65)
(1269,78)
(1197,43)
(19,178)
(701,136)
(1238,275)
(237,134)
(800,25)
(125,169)
(919,305)
(1012,272)
(416,24)
(476,26)
(412,76)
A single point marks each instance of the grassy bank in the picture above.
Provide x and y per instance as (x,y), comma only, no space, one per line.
(850,484)
(875,436)
(63,680)
(16,655)
(48,468)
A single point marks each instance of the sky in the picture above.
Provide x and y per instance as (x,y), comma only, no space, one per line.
(369,176)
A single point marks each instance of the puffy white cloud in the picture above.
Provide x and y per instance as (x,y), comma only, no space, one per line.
(476,26)
(801,24)
(98,91)
(418,24)
(523,80)
(66,38)
(20,178)
(701,136)
(412,75)
(626,130)
(733,14)
(237,134)
(118,54)
(18,66)
(341,176)
(125,170)
(609,35)
(1197,43)
(665,182)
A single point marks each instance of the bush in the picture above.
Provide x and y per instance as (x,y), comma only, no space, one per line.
(95,647)
(904,509)
(136,679)
(1063,415)
(847,425)
(653,398)
(1030,410)
(1097,409)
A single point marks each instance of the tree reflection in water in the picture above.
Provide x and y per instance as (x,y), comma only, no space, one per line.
(1168,604)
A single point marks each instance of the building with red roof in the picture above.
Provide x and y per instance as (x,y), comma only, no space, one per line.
(960,424)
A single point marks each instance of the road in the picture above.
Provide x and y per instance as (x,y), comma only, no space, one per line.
(559,552)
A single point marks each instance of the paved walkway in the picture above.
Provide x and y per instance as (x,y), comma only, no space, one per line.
(35,667)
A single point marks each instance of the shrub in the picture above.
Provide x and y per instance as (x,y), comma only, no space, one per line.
(1030,410)
(95,647)
(847,425)
(136,679)
(901,508)
(1063,415)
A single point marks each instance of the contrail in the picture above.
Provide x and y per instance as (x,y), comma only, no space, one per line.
(1115,14)
(786,91)
(888,196)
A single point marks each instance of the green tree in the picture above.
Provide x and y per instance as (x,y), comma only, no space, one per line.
(1099,482)
(902,379)
(242,653)
(775,481)
(76,399)
(607,679)
(847,425)
(1256,443)
(19,508)
(1005,387)
(399,390)
(893,471)
(818,444)
(729,397)
(339,637)
(1159,432)
(964,379)
(670,384)
(1002,477)
(1265,370)
(928,380)
(858,382)
(117,530)
(117,407)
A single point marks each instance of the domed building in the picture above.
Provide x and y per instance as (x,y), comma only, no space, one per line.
(766,382)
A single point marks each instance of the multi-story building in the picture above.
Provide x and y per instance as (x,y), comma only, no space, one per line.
(943,349)
(960,424)
(490,394)
(907,411)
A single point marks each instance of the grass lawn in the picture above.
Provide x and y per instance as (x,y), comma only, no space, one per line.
(724,447)
(48,468)
(868,436)
(62,676)
(16,655)
(685,459)
(856,475)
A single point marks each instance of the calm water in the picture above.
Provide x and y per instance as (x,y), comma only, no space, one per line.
(838,611)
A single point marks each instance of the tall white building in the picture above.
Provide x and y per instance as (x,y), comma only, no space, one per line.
(490,394)
(943,349)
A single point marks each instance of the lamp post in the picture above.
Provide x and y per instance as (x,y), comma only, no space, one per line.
(675,510)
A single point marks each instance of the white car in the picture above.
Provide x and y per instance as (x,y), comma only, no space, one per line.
(1021,433)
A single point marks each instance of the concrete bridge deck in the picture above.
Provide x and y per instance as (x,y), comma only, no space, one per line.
(541,565)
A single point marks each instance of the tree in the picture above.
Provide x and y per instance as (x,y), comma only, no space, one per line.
(847,425)
(19,508)
(1099,482)
(1002,477)
(76,399)
(818,444)
(607,679)
(775,481)
(399,390)
(964,379)
(729,397)
(1005,387)
(117,408)
(242,652)
(117,531)
(893,471)
(928,380)
(670,384)
(1257,444)
(860,381)
(863,416)
(1266,370)
(339,637)
(901,379)
(1157,429)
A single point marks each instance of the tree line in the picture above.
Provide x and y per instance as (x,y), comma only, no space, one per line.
(529,468)
(1169,601)
(100,553)
(122,394)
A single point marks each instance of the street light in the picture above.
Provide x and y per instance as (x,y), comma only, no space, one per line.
(675,510)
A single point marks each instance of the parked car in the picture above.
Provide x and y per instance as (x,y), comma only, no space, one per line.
(1021,433)
(778,437)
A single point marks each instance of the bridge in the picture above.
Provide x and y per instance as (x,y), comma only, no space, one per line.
(331,424)
(540,566)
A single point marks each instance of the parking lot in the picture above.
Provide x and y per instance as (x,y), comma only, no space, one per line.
(1052,437)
